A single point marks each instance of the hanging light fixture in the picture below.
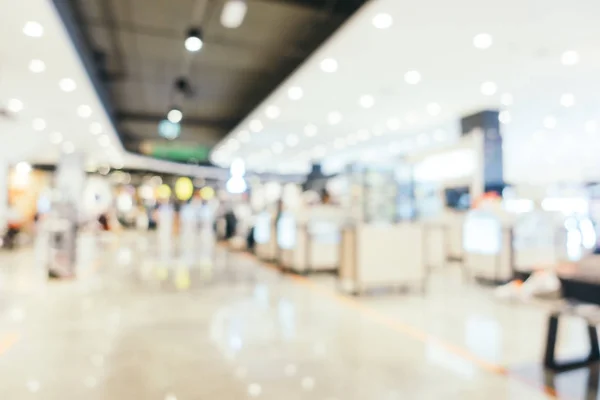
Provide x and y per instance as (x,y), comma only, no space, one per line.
(233,14)
(175,115)
(193,42)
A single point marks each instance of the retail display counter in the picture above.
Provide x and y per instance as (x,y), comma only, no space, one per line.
(375,256)
(265,237)
(308,248)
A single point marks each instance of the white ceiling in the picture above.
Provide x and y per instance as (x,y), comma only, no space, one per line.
(435,38)
(42,98)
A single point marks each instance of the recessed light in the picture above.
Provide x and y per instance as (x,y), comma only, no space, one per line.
(393,124)
(366,101)
(104,141)
(567,100)
(549,122)
(84,111)
(412,77)
(488,88)
(433,109)
(310,130)
(37,66)
(295,93)
(591,126)
(483,41)
(95,128)
(383,21)
(308,383)
(363,135)
(570,57)
(277,148)
(56,137)
(39,124)
(244,136)
(254,390)
(256,125)
(33,29)
(506,99)
(504,117)
(67,85)
(334,118)
(291,140)
(15,105)
(329,65)
(68,147)
(339,143)
(272,112)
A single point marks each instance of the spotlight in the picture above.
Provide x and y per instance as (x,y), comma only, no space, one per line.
(175,116)
(193,42)
(233,13)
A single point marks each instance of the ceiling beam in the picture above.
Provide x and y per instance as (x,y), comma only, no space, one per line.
(221,124)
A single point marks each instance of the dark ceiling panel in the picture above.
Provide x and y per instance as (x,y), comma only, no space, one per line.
(139,53)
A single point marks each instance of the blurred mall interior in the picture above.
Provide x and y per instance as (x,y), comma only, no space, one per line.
(299,199)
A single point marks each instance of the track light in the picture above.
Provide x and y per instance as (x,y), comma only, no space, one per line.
(193,42)
(233,14)
(175,115)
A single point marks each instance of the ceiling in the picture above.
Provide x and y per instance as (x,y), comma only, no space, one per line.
(545,137)
(138,49)
(38,120)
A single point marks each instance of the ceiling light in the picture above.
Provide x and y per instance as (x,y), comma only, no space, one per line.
(550,122)
(291,140)
(37,66)
(363,135)
(104,141)
(483,41)
(591,126)
(570,57)
(233,14)
(382,21)
(412,77)
(193,42)
(67,85)
(433,109)
(33,29)
(68,147)
(504,117)
(84,111)
(256,125)
(56,137)
(254,390)
(367,101)
(393,124)
(95,128)
(488,88)
(329,65)
(567,100)
(310,130)
(506,99)
(339,143)
(334,118)
(244,136)
(15,105)
(272,112)
(295,93)
(175,116)
(39,124)
(277,147)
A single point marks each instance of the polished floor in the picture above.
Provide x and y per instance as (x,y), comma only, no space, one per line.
(134,327)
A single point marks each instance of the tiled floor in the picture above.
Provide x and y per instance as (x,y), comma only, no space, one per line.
(131,328)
